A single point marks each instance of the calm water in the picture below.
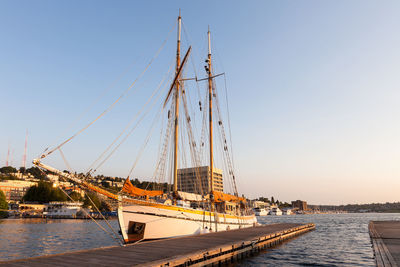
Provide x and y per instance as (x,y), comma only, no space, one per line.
(339,240)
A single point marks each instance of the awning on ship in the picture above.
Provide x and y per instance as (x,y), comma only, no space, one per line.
(191,196)
(137,192)
(221,197)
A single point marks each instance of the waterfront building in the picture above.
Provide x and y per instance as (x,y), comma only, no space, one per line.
(118,184)
(62,209)
(260,204)
(31,206)
(15,189)
(299,205)
(189,180)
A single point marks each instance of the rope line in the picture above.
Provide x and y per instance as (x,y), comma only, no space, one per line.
(129,124)
(116,101)
(94,205)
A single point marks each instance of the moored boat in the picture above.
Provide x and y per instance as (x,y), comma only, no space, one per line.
(275,211)
(261,211)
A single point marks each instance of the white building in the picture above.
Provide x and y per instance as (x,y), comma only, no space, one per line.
(260,204)
(15,189)
(62,209)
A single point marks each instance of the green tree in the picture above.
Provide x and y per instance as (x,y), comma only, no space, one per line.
(36,172)
(3,205)
(100,204)
(94,198)
(44,192)
(272,200)
(22,169)
(8,169)
(104,206)
(76,196)
(265,199)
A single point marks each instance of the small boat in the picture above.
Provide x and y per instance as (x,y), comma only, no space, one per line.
(275,211)
(287,211)
(261,211)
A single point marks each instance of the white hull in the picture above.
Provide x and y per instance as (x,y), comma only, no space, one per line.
(155,221)
(261,213)
(276,212)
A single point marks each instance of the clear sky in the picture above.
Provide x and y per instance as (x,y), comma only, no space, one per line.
(314,86)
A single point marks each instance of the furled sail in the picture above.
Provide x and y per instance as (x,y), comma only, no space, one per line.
(221,197)
(100,190)
(191,196)
(137,192)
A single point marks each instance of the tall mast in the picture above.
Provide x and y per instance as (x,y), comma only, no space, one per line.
(178,62)
(210,111)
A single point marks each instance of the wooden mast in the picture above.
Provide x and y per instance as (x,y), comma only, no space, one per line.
(210,111)
(178,62)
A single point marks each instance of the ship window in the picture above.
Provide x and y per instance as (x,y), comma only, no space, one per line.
(135,228)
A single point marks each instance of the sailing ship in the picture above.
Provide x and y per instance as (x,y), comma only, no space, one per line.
(153,214)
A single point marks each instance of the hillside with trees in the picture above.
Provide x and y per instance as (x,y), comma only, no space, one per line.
(44,192)
(3,205)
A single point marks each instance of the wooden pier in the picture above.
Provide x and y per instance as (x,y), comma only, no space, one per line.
(199,250)
(385,237)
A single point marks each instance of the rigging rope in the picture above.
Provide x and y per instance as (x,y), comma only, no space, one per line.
(116,237)
(192,147)
(79,117)
(65,160)
(145,144)
(101,227)
(115,102)
(229,121)
(130,122)
(123,140)
(191,59)
(94,205)
(109,225)
(225,150)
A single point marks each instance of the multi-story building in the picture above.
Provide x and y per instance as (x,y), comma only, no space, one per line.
(197,180)
(299,204)
(15,189)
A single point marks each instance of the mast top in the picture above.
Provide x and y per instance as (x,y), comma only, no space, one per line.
(209,40)
(179,28)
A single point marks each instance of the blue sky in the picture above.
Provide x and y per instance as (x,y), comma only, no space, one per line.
(313,86)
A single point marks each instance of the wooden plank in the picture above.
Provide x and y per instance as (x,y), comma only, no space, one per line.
(243,249)
(385,233)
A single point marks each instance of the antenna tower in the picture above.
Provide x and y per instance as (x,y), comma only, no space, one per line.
(8,154)
(25,149)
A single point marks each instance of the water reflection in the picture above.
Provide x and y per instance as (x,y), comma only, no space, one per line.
(21,238)
(339,240)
